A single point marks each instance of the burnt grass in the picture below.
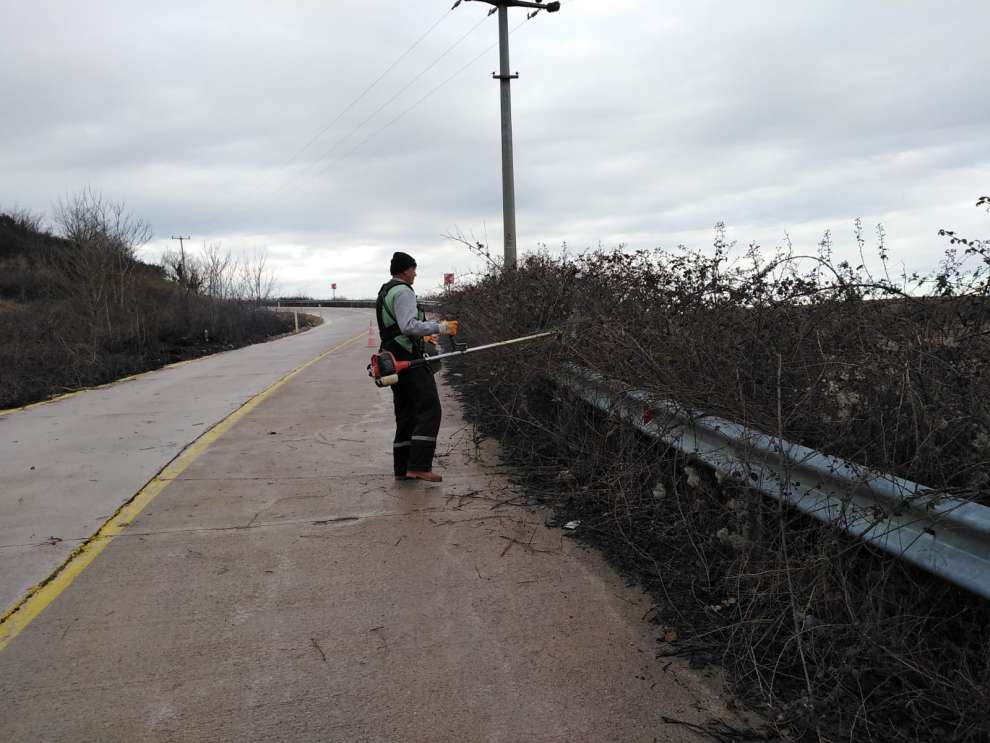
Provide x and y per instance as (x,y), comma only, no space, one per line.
(826,638)
(44,371)
(891,652)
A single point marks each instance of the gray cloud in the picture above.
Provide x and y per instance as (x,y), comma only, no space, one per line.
(636,122)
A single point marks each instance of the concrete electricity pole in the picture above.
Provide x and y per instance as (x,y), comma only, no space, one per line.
(508,179)
(182,248)
(182,254)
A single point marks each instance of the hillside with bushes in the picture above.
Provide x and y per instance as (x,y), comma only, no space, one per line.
(78,308)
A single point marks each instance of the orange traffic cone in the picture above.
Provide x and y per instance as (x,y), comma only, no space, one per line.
(371,335)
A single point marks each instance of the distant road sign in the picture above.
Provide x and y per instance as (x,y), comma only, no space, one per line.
(448,279)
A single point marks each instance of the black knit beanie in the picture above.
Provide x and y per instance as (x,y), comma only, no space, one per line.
(400,262)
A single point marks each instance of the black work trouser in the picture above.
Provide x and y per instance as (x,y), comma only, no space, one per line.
(417,420)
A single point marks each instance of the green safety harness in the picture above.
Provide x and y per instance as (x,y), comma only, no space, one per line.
(388,326)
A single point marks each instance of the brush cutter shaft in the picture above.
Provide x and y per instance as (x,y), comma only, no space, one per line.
(385,368)
(464,351)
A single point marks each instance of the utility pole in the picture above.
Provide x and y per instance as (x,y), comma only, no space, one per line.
(504,78)
(182,255)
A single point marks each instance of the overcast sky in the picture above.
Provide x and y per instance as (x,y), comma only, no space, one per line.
(640,122)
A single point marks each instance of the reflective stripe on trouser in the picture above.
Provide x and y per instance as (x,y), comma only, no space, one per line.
(417,420)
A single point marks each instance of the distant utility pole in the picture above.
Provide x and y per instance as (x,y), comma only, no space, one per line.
(508,179)
(182,255)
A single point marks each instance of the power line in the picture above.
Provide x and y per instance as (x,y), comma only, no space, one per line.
(402,90)
(367,90)
(434,90)
(414,105)
(417,103)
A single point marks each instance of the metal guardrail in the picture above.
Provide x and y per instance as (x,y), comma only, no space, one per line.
(947,537)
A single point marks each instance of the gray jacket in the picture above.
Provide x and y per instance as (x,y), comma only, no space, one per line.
(405,315)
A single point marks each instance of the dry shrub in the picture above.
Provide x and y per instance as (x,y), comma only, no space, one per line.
(827,637)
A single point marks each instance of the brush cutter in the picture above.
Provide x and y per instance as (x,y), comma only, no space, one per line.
(385,368)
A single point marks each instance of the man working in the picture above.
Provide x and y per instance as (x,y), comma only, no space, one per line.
(402,327)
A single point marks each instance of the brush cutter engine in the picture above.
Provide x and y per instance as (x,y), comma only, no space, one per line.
(384,368)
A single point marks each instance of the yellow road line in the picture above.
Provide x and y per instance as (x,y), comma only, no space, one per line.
(21,614)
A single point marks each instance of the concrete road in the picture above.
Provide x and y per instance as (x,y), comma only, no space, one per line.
(68,465)
(283,587)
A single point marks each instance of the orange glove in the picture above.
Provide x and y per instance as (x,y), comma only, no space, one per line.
(448,327)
